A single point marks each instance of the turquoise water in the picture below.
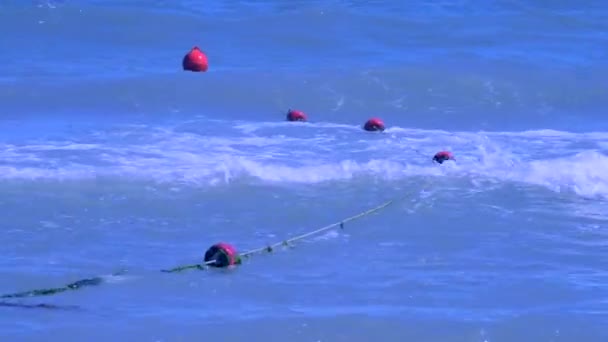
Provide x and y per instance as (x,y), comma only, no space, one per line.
(112,157)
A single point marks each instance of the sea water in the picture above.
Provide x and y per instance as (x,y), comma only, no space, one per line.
(114,158)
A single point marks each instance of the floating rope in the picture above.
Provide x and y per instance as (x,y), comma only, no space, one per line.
(288,242)
(317,231)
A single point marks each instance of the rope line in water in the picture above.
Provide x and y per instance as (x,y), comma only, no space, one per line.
(287,242)
(51,291)
(46,292)
(38,306)
(270,248)
(95,281)
(201,266)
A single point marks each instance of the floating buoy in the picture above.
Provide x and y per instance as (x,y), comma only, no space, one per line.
(442,156)
(374,125)
(296,115)
(221,255)
(195,60)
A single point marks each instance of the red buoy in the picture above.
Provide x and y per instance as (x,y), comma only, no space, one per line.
(195,60)
(373,125)
(442,156)
(222,255)
(296,115)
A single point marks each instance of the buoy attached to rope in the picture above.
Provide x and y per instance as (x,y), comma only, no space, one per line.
(222,255)
(195,60)
(296,115)
(442,156)
(374,125)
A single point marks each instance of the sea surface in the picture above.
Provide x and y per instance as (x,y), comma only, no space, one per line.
(114,158)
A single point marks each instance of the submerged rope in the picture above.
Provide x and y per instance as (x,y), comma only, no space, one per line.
(87,282)
(270,248)
(39,306)
(201,266)
(46,292)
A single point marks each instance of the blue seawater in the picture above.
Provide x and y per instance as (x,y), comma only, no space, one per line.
(112,157)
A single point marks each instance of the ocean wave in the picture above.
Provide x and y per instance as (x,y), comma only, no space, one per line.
(309,154)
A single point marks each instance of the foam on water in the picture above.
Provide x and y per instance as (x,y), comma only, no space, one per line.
(314,153)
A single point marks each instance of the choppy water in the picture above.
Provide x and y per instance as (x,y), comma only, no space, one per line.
(111,157)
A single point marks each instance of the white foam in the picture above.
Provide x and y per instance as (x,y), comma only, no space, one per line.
(585,173)
(560,161)
(249,127)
